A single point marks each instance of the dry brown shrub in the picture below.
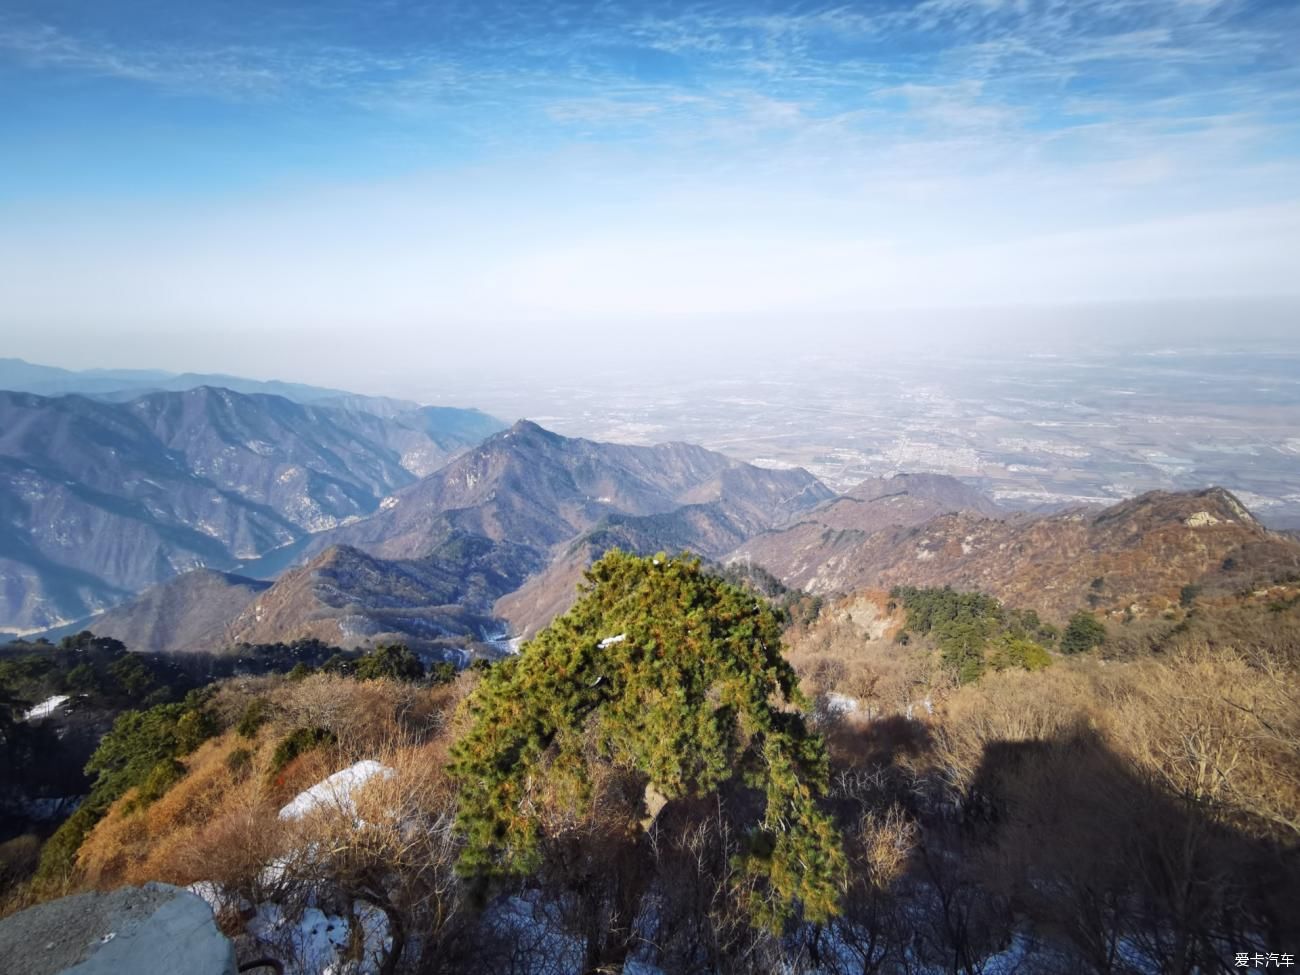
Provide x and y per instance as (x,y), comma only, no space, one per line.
(365,716)
(843,653)
(194,822)
(1218,728)
(18,860)
(396,847)
(158,842)
(1012,706)
(883,843)
(884,677)
(233,696)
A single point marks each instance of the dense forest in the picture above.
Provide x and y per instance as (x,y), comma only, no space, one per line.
(671,778)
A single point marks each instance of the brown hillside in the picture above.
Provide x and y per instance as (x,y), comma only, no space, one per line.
(1132,557)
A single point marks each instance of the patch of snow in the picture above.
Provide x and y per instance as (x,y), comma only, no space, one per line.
(503,641)
(837,703)
(337,791)
(46,708)
(609,641)
(316,943)
(388,503)
(537,926)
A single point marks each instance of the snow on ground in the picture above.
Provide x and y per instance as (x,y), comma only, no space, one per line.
(609,641)
(837,703)
(336,791)
(313,943)
(46,707)
(318,942)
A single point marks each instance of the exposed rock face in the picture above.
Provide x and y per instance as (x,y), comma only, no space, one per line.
(156,929)
(101,500)
(1138,553)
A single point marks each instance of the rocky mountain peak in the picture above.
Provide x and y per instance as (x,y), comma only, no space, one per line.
(1207,508)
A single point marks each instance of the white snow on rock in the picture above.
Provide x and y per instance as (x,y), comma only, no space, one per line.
(337,791)
(46,707)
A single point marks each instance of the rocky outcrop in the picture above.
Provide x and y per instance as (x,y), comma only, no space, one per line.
(156,929)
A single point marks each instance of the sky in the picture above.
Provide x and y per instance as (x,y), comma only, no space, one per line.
(346,191)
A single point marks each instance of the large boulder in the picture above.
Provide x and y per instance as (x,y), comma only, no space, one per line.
(156,929)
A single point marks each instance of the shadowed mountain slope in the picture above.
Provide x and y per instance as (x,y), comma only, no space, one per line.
(429,566)
(189,613)
(101,500)
(349,598)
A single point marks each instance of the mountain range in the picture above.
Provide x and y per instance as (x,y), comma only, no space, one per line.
(99,500)
(431,566)
(202,518)
(117,385)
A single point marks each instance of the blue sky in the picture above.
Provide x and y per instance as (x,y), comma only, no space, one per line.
(177,171)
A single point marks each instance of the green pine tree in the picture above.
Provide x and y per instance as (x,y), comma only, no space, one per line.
(673,674)
(1084,632)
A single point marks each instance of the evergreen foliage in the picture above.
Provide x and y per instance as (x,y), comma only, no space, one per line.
(298,742)
(141,750)
(256,714)
(1084,632)
(677,676)
(974,631)
(393,661)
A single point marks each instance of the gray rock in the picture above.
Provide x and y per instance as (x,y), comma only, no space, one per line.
(156,929)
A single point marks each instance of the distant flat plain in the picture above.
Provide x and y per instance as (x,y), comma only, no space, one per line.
(1031,430)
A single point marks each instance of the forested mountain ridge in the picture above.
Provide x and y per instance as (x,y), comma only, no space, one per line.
(102,500)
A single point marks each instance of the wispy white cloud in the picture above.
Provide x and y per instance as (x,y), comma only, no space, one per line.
(721,161)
